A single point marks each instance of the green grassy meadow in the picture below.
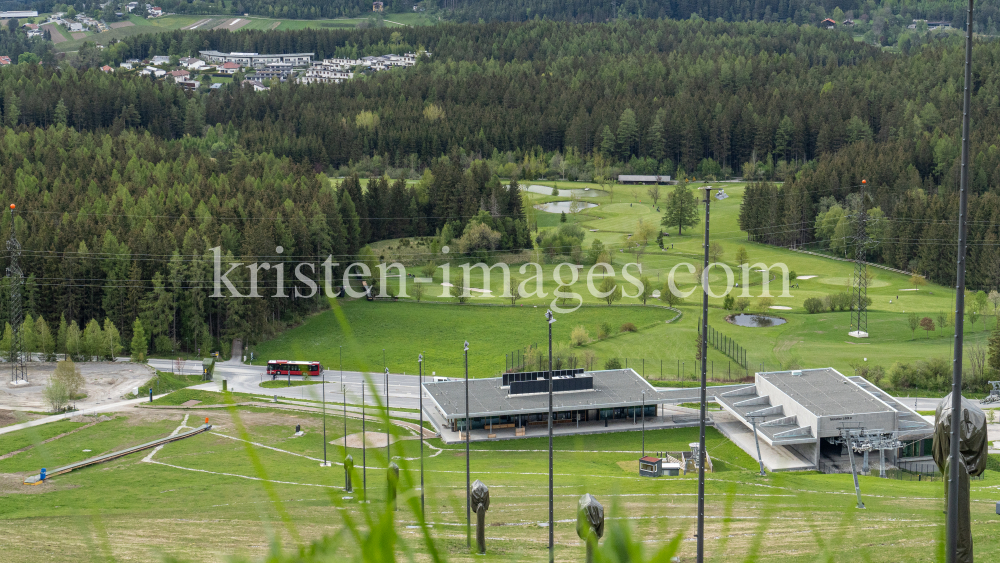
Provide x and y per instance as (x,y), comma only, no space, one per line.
(184,21)
(249,482)
(437,326)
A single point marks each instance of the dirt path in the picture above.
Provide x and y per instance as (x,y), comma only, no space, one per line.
(15,417)
(104,382)
(275,25)
(57,37)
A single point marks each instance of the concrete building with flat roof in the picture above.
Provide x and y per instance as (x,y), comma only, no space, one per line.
(806,411)
(583,402)
(641,179)
(519,400)
(800,415)
(257,60)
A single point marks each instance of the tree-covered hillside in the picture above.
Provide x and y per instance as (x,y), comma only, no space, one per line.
(127,182)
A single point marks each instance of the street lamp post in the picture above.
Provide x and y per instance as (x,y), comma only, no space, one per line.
(952,527)
(388,452)
(552,554)
(420,388)
(323,392)
(364,443)
(468,485)
(643,424)
(343,390)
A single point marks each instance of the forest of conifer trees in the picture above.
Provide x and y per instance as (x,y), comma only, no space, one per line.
(125,183)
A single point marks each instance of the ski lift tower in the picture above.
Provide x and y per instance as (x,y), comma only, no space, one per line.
(18,372)
(859,291)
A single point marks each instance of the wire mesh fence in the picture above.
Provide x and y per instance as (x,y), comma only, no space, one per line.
(534,358)
(900,471)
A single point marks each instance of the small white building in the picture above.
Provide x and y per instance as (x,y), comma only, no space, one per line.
(161,60)
(76,27)
(257,85)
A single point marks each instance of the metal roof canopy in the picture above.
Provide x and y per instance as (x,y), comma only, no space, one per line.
(612,388)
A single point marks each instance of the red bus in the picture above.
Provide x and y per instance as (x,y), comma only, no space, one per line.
(285,367)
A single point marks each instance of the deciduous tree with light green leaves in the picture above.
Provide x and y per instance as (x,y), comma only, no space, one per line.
(92,340)
(74,340)
(46,343)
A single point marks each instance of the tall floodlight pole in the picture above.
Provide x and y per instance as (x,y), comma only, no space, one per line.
(704,383)
(643,424)
(17,370)
(343,390)
(951,547)
(364,443)
(468,485)
(552,553)
(420,389)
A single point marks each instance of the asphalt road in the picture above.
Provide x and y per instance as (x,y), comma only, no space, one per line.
(403,389)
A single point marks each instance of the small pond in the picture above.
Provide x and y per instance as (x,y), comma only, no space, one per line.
(545,190)
(755,321)
(562,206)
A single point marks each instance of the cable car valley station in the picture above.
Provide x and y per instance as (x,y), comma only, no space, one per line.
(800,420)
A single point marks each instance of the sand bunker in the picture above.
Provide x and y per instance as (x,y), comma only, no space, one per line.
(371,439)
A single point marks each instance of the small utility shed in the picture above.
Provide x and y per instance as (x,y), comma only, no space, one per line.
(650,466)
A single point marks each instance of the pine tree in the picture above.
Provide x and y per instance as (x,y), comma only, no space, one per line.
(157,307)
(628,134)
(352,228)
(654,136)
(783,138)
(61,113)
(607,142)
(139,346)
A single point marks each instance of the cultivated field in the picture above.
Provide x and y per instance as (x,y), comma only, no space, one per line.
(136,25)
